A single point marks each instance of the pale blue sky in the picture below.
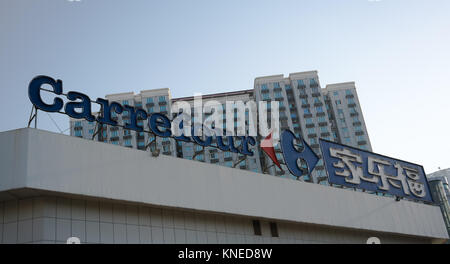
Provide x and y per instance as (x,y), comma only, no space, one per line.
(397,52)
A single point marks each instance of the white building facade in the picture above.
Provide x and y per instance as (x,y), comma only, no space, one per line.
(54,186)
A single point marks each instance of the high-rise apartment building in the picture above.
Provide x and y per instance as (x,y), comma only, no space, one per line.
(312,112)
(333,113)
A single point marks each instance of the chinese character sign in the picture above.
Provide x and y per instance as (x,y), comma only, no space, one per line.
(361,169)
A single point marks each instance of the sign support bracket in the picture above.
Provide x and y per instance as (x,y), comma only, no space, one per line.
(33,116)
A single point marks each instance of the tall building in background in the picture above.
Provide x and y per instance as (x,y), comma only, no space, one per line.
(332,113)
(444,177)
(438,182)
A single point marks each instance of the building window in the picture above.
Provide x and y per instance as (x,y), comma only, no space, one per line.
(276,85)
(125,102)
(149,100)
(264,86)
(257,228)
(274,229)
(162,108)
(78,133)
(162,99)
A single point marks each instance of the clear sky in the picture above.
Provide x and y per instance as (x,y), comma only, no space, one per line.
(397,52)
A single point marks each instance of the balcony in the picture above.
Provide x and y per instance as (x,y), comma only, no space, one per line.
(114,138)
(306,105)
(349,96)
(362,142)
(264,91)
(320,114)
(316,94)
(162,103)
(312,135)
(127,136)
(354,114)
(279,99)
(278,89)
(215,160)
(351,105)
(327,134)
(359,133)
(315,146)
(310,125)
(314,85)
(318,104)
(228,159)
(301,86)
(323,124)
(78,128)
(307,115)
(357,123)
(303,95)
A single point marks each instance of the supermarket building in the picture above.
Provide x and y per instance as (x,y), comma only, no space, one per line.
(53,187)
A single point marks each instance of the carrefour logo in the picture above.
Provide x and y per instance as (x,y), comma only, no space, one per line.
(210,132)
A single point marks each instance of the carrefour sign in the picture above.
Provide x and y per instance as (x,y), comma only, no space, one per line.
(345,165)
(357,168)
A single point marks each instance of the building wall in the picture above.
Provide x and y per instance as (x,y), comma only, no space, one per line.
(53,219)
(78,167)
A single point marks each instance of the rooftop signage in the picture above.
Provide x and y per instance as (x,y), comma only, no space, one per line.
(345,166)
(356,168)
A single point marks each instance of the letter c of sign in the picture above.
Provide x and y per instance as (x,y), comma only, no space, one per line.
(34,93)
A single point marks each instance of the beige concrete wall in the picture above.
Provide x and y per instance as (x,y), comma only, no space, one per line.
(53,219)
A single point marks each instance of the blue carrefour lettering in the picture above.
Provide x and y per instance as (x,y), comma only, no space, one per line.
(34,93)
